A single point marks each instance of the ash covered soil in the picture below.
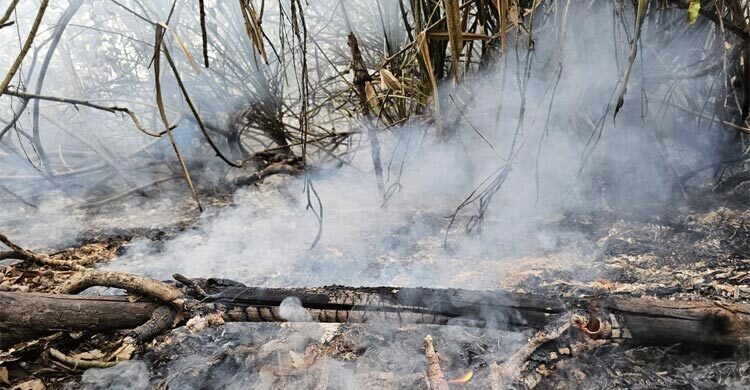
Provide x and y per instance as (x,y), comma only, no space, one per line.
(699,250)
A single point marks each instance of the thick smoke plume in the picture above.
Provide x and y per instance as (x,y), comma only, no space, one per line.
(543,118)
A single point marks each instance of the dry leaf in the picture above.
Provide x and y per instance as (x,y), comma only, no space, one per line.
(183,47)
(34,384)
(513,15)
(253,27)
(388,80)
(372,97)
(443,35)
(89,355)
(424,50)
(125,352)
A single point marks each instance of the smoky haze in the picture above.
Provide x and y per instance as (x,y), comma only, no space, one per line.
(542,120)
(569,156)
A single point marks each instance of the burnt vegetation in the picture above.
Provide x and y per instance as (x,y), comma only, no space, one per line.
(589,163)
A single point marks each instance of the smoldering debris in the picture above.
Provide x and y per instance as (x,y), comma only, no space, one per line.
(317,356)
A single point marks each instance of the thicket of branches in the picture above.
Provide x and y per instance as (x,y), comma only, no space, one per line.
(298,97)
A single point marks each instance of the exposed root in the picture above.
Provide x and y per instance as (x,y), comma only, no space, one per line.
(435,376)
(162,320)
(137,284)
(79,363)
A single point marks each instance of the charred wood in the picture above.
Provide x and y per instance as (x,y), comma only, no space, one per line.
(26,315)
(645,321)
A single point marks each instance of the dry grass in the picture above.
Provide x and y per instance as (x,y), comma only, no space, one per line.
(301,92)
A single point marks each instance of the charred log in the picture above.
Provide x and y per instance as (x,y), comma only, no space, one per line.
(26,315)
(643,321)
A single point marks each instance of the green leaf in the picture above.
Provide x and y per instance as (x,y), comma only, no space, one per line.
(692,13)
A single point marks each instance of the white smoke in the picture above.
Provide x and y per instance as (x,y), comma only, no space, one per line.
(537,113)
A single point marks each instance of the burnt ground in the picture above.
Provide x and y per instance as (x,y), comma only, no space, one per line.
(701,250)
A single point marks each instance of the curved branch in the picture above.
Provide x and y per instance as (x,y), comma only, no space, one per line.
(76,102)
(133,283)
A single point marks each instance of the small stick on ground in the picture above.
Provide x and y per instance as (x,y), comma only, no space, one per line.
(27,255)
(503,374)
(435,375)
(79,363)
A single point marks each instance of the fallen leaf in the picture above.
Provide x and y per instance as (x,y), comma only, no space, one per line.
(125,352)
(89,355)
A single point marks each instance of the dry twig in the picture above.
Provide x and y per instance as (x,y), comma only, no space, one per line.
(26,46)
(435,375)
(79,363)
(27,255)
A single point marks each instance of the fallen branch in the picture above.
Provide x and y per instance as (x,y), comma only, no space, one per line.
(291,166)
(534,376)
(137,284)
(162,320)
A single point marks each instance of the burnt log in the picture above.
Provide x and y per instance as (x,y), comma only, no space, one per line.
(646,321)
(653,321)
(27,315)
(494,309)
